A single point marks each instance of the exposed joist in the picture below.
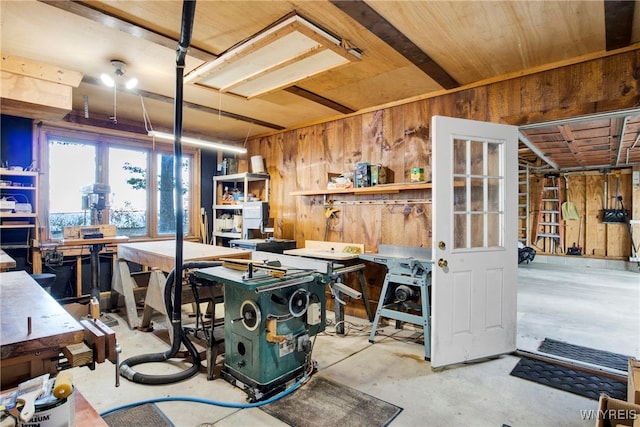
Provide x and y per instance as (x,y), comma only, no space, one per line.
(297,90)
(618,19)
(535,149)
(111,21)
(193,106)
(374,22)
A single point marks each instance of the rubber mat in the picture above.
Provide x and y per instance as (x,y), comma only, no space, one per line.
(574,381)
(585,354)
(324,403)
(147,415)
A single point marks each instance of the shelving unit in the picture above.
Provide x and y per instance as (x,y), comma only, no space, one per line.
(18,227)
(246,183)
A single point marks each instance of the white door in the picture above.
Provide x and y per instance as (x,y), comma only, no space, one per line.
(475,178)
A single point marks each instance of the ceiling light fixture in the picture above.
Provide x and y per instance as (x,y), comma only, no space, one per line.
(198,142)
(277,57)
(111,82)
(120,71)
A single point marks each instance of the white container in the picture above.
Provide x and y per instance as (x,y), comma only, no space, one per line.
(57,413)
(257,164)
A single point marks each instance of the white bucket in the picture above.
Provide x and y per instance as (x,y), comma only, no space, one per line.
(58,413)
(257,164)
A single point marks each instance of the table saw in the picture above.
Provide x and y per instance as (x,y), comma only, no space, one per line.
(405,291)
(274,305)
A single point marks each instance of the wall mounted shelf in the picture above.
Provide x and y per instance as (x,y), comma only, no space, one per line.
(378,189)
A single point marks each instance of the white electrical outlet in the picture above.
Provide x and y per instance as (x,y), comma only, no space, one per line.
(314,314)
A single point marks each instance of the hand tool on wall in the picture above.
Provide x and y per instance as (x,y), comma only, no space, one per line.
(569,210)
(576,249)
(329,213)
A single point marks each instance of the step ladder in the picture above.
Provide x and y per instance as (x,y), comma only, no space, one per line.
(550,215)
(524,234)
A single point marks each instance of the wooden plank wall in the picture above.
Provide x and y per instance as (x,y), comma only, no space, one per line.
(399,137)
(586,192)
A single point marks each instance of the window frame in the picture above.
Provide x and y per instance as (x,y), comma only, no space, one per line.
(103,139)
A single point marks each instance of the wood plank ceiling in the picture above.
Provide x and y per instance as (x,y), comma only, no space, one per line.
(409,49)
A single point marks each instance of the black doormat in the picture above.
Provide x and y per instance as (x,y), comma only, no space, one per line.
(572,380)
(585,354)
(147,415)
(324,403)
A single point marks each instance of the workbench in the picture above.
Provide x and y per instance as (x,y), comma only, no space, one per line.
(159,256)
(33,329)
(6,262)
(343,261)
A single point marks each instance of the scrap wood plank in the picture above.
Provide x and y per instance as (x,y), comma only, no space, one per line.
(78,354)
(110,340)
(96,338)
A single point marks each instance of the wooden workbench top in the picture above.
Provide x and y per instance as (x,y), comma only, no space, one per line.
(161,253)
(335,251)
(52,326)
(6,261)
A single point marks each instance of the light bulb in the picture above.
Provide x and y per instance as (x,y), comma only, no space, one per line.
(131,83)
(107,80)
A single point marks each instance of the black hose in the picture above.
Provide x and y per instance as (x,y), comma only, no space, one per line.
(188,12)
(179,337)
(174,280)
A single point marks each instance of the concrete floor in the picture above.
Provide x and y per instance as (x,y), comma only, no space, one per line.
(584,306)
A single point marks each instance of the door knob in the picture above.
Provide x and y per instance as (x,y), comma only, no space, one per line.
(442,263)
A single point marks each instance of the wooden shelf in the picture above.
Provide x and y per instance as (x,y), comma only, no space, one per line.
(17,173)
(378,189)
(18,215)
(16,187)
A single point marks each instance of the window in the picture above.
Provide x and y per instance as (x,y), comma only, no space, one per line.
(128,181)
(139,176)
(69,162)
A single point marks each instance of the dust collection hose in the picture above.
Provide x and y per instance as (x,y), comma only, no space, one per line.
(179,337)
(175,277)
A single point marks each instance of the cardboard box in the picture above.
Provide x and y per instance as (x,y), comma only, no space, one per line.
(616,413)
(633,383)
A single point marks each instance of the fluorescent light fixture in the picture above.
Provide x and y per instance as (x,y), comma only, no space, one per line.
(199,142)
(277,57)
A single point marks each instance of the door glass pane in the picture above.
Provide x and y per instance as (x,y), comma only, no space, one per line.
(477,158)
(478,231)
(460,230)
(459,157)
(494,238)
(72,165)
(493,195)
(166,198)
(477,195)
(493,159)
(459,195)
(128,170)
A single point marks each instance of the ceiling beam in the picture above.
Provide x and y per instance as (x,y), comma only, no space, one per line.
(297,90)
(618,21)
(378,25)
(114,22)
(191,105)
